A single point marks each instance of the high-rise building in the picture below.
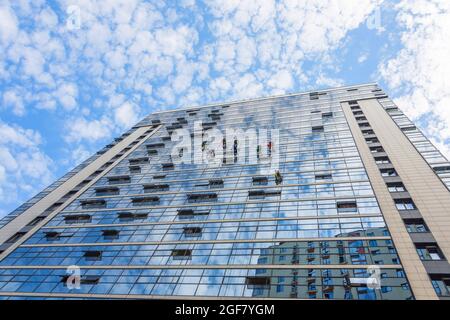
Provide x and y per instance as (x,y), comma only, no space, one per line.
(333,194)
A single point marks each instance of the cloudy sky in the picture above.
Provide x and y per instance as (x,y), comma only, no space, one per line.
(75,74)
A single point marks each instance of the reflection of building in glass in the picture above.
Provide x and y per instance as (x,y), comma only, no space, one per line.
(330,283)
(347,182)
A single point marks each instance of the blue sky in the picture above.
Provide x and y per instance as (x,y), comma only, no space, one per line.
(75,74)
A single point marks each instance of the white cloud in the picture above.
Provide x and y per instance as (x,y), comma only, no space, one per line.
(127,115)
(281,80)
(24,168)
(273,40)
(418,73)
(80,129)
(323,81)
(130,56)
(247,86)
(12,99)
(8,25)
(363,57)
(66,95)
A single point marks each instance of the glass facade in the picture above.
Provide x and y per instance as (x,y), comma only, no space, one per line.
(152,227)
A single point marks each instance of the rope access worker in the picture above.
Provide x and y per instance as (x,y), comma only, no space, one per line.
(278,177)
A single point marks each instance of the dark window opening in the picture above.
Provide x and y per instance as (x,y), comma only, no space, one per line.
(405,204)
(327,115)
(367,132)
(372,140)
(416,225)
(92,280)
(52,235)
(445,169)
(93,204)
(15,237)
(189,213)
(260,181)
(92,255)
(257,281)
(110,234)
(119,179)
(314,96)
(212,183)
(257,194)
(441,284)
(159,176)
(216,183)
(129,216)
(136,161)
(155,145)
(148,188)
(200,197)
(107,191)
(192,231)
(376,149)
(429,251)
(209,124)
(388,173)
(69,195)
(145,201)
(173,127)
(179,254)
(78,218)
(319,177)
(35,221)
(317,129)
(411,128)
(167,166)
(347,206)
(135,169)
(396,187)
(382,160)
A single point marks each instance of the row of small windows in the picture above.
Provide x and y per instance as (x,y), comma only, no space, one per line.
(149,188)
(213,183)
(393,187)
(193,197)
(355,252)
(341,206)
(130,216)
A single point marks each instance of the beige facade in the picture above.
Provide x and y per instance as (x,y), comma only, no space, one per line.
(429,193)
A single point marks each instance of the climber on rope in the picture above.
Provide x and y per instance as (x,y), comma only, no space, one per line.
(278,177)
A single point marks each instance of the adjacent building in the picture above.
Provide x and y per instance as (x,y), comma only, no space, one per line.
(333,194)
